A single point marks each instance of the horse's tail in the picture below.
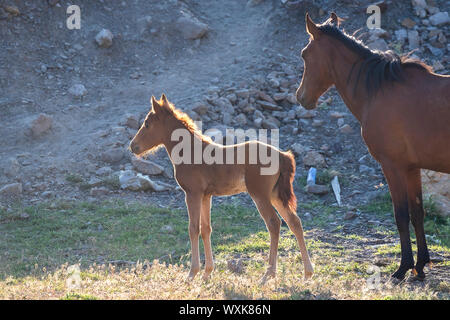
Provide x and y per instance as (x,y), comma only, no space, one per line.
(284,183)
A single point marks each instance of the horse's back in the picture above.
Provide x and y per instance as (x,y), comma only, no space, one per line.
(409,123)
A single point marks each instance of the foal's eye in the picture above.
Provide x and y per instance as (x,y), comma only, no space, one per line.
(146,124)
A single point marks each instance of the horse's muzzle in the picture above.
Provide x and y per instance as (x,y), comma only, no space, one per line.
(305,102)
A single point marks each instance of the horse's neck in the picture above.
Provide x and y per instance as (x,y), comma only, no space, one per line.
(355,100)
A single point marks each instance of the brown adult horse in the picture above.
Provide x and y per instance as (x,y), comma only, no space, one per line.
(404,112)
(235,169)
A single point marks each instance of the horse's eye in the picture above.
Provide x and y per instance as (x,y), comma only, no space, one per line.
(146,124)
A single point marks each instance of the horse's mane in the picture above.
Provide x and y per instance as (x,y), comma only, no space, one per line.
(377,66)
(186,121)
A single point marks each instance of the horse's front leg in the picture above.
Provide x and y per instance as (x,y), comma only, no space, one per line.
(397,181)
(417,214)
(194,204)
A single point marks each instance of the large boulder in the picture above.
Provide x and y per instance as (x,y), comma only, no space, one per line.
(437,185)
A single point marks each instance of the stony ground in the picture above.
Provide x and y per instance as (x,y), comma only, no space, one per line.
(71,100)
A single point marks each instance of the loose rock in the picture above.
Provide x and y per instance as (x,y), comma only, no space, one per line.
(317,189)
(104,38)
(313,159)
(78,90)
(235,266)
(190,27)
(146,166)
(112,156)
(346,129)
(41,125)
(439,19)
(12,190)
(132,121)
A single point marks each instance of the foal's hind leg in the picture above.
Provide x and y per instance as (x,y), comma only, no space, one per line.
(295,224)
(417,214)
(273,224)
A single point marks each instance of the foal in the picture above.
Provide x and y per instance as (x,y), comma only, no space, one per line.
(201,181)
(404,111)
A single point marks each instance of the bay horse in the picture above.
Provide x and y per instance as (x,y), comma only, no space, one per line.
(200,181)
(404,112)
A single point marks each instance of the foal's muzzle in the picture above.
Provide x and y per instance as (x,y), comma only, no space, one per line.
(134,147)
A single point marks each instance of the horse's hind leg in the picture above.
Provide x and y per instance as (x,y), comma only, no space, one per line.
(417,214)
(273,224)
(295,224)
(205,231)
(397,181)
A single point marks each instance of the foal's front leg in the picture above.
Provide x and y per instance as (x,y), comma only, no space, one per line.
(194,204)
(205,230)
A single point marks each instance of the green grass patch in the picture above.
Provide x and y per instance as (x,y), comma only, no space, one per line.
(78,296)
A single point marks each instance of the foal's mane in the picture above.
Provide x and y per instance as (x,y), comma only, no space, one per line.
(186,121)
(378,67)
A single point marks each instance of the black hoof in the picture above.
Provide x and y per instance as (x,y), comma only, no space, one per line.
(417,275)
(398,275)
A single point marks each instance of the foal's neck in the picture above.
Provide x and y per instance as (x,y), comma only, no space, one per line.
(174,124)
(344,66)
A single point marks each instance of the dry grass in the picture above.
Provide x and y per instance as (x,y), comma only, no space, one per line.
(37,271)
(165,281)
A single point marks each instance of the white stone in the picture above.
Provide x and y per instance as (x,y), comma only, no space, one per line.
(104,38)
(78,90)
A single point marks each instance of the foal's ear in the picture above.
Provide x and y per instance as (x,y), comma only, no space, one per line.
(311,27)
(155,104)
(164,99)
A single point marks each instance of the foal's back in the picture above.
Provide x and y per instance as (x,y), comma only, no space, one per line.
(238,166)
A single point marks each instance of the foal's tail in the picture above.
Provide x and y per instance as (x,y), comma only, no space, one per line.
(284,183)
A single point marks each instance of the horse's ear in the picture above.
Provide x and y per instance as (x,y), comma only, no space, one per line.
(155,104)
(311,27)
(335,19)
